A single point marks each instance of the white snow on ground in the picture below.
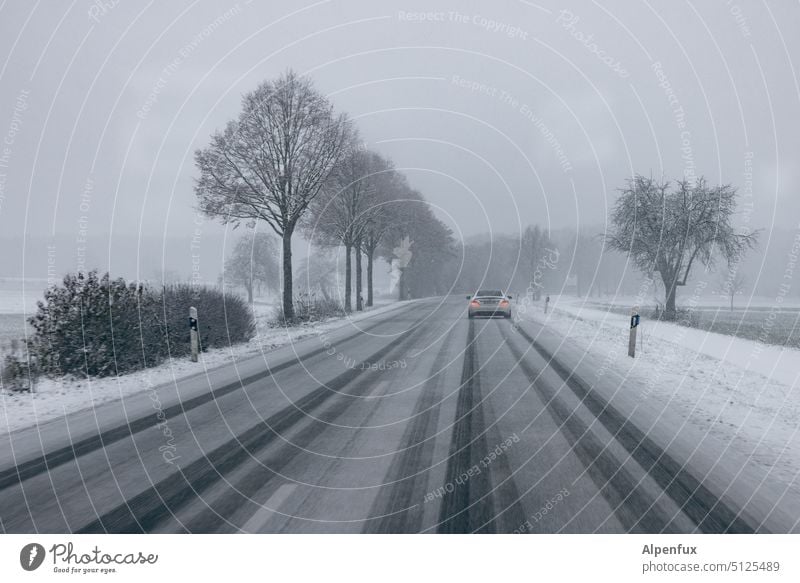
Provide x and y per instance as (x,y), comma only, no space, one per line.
(740,391)
(775,362)
(57,397)
(704,301)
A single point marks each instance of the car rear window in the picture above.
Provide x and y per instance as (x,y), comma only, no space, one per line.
(489,293)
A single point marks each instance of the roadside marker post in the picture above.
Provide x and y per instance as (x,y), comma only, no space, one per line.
(193,331)
(634,326)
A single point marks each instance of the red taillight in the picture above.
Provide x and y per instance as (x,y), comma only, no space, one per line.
(503,303)
(474,304)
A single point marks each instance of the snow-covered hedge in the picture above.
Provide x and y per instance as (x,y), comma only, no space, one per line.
(97,326)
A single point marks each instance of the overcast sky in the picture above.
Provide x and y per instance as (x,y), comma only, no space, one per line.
(502,114)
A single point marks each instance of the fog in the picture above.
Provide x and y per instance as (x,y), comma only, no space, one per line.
(501,115)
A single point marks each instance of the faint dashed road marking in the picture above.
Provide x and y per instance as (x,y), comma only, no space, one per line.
(267,510)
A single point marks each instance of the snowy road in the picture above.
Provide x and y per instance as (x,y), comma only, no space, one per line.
(413,420)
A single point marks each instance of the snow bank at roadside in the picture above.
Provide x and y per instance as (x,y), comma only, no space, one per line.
(778,363)
(740,391)
(56,397)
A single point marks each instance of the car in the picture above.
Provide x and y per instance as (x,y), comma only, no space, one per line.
(489,302)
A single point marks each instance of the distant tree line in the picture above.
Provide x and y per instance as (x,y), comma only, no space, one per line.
(539,261)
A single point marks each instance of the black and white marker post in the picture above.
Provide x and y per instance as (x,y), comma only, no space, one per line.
(193,331)
(634,326)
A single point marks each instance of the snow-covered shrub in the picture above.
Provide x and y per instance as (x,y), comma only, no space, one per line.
(80,323)
(222,319)
(310,308)
(15,374)
(97,326)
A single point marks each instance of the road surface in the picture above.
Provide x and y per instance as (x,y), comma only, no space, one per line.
(414,420)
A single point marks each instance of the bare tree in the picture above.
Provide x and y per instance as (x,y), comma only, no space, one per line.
(378,224)
(253,263)
(316,275)
(272,161)
(359,276)
(533,244)
(388,188)
(669,230)
(733,284)
(340,216)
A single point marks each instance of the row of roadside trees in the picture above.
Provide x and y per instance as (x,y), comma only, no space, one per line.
(290,161)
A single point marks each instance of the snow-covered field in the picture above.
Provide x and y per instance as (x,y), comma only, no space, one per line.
(752,318)
(741,301)
(17,301)
(19,295)
(745,393)
(57,397)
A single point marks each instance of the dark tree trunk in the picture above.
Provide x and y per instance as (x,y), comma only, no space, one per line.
(348,281)
(401,285)
(249,286)
(359,298)
(370,253)
(670,313)
(288,305)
